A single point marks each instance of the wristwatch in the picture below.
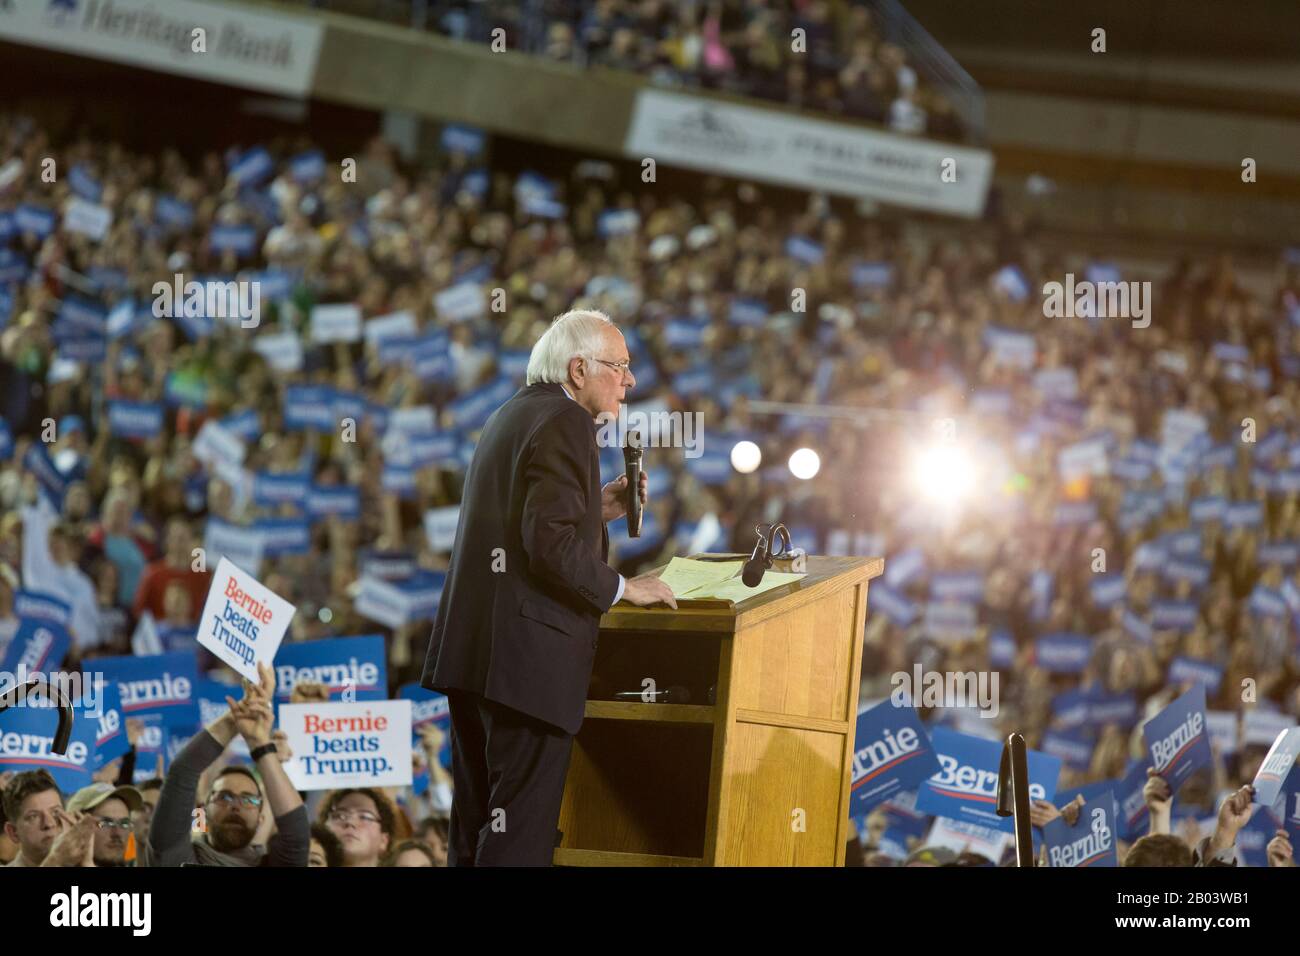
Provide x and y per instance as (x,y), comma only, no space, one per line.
(257,753)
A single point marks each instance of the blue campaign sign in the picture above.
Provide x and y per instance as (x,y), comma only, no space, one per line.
(429,707)
(903,566)
(282,536)
(38,462)
(1089,792)
(37,647)
(1105,709)
(170,211)
(159,684)
(42,607)
(471,411)
(713,467)
(1002,650)
(1178,740)
(110,725)
(1187,670)
(892,754)
(1278,767)
(1063,653)
(252,166)
(241,240)
(1070,709)
(341,500)
(135,419)
(26,736)
(1174,615)
(1133,818)
(1254,837)
(957,586)
(308,406)
(752,312)
(277,489)
(307,167)
(458,138)
(1090,842)
(1073,747)
(1108,589)
(355,665)
(965,788)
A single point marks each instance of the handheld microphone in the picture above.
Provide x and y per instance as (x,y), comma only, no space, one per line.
(632,452)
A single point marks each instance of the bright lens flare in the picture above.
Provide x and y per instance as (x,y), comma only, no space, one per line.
(745,457)
(805,463)
(944,473)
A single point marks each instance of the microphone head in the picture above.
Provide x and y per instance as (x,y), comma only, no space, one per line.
(753,572)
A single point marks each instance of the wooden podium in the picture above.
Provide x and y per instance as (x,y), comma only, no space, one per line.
(758,777)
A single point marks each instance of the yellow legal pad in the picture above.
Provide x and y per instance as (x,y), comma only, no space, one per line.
(717,580)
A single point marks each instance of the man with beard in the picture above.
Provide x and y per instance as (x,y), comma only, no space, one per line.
(221,832)
(112,808)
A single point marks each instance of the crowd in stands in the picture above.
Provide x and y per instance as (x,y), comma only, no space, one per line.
(829,56)
(1197,512)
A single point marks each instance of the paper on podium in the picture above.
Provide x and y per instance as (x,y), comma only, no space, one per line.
(684,575)
(717,580)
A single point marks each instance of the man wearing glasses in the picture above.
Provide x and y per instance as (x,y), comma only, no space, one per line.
(220,833)
(515,634)
(112,808)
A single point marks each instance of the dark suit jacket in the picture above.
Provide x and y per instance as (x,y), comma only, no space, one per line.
(525,636)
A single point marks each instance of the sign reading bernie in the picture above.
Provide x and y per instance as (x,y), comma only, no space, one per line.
(363,744)
(243,621)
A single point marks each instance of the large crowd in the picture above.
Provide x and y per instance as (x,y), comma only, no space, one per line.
(1195,510)
(829,56)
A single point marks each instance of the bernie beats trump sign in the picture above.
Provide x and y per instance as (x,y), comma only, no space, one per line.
(243,621)
(362,744)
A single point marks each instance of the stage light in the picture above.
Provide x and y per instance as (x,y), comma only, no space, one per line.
(745,457)
(944,472)
(804,463)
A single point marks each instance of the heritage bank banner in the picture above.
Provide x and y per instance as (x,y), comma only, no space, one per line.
(241,47)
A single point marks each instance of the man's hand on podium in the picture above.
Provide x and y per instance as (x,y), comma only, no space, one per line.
(648,589)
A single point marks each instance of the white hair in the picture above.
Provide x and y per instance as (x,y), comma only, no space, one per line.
(578,333)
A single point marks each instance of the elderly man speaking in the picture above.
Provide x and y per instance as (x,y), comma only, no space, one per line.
(515,634)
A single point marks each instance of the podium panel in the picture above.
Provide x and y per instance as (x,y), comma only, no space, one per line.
(753,767)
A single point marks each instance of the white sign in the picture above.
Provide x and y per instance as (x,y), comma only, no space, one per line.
(282,350)
(753,143)
(461,302)
(362,744)
(440,527)
(336,323)
(392,326)
(962,837)
(243,621)
(215,442)
(87,218)
(381,601)
(257,50)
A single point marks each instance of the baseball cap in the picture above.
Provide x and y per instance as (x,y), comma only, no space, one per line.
(87,798)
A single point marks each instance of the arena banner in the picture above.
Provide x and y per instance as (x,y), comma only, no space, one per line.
(243,621)
(778,147)
(239,46)
(363,744)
